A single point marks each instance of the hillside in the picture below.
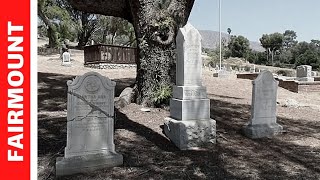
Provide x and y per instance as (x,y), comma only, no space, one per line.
(210,39)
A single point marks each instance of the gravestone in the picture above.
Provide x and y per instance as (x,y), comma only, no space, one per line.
(223,73)
(263,108)
(253,69)
(189,125)
(304,73)
(90,126)
(314,73)
(217,68)
(66,60)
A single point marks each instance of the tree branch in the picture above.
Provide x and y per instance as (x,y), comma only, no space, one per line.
(116,8)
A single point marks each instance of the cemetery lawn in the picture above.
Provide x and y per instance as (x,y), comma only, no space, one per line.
(148,154)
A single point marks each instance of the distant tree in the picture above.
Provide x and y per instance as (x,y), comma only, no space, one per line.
(285,57)
(261,58)
(114,30)
(306,54)
(315,43)
(251,56)
(272,43)
(84,23)
(48,11)
(65,22)
(85,28)
(299,49)
(238,46)
(289,39)
(309,57)
(229,31)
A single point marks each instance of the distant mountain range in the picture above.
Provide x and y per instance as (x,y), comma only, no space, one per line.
(210,39)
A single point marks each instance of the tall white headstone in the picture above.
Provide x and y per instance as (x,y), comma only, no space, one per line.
(263,108)
(189,125)
(90,126)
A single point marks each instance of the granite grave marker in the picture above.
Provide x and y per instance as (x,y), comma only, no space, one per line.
(263,108)
(66,60)
(304,73)
(189,125)
(90,126)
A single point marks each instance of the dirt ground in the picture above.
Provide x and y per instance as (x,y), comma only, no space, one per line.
(148,154)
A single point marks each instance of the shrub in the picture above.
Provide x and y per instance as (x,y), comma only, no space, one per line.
(162,95)
(277,64)
(289,73)
(247,68)
(281,72)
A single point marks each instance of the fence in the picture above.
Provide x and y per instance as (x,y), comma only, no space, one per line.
(48,51)
(101,53)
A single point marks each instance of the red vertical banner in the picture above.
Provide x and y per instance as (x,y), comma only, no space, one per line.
(15,89)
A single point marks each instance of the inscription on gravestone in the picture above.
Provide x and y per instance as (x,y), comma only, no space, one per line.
(189,65)
(91,116)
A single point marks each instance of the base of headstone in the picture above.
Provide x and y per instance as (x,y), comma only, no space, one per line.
(195,109)
(189,92)
(191,134)
(87,163)
(223,74)
(215,75)
(262,130)
(66,64)
(308,79)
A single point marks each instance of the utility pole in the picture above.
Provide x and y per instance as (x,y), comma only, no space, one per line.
(220,54)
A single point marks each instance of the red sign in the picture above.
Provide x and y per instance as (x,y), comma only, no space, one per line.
(15,89)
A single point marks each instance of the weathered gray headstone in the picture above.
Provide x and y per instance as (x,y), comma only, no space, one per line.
(253,69)
(189,125)
(263,108)
(223,73)
(90,126)
(217,68)
(314,73)
(66,60)
(304,73)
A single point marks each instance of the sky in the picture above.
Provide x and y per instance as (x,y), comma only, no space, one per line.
(252,18)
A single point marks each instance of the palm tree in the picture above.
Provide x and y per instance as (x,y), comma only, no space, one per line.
(229,31)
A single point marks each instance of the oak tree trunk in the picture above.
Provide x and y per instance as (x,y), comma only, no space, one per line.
(156,23)
(51,29)
(87,28)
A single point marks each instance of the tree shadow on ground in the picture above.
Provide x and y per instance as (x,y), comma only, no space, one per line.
(148,154)
(52,90)
(279,157)
(221,96)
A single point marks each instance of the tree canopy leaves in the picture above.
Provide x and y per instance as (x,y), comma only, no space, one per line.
(238,46)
